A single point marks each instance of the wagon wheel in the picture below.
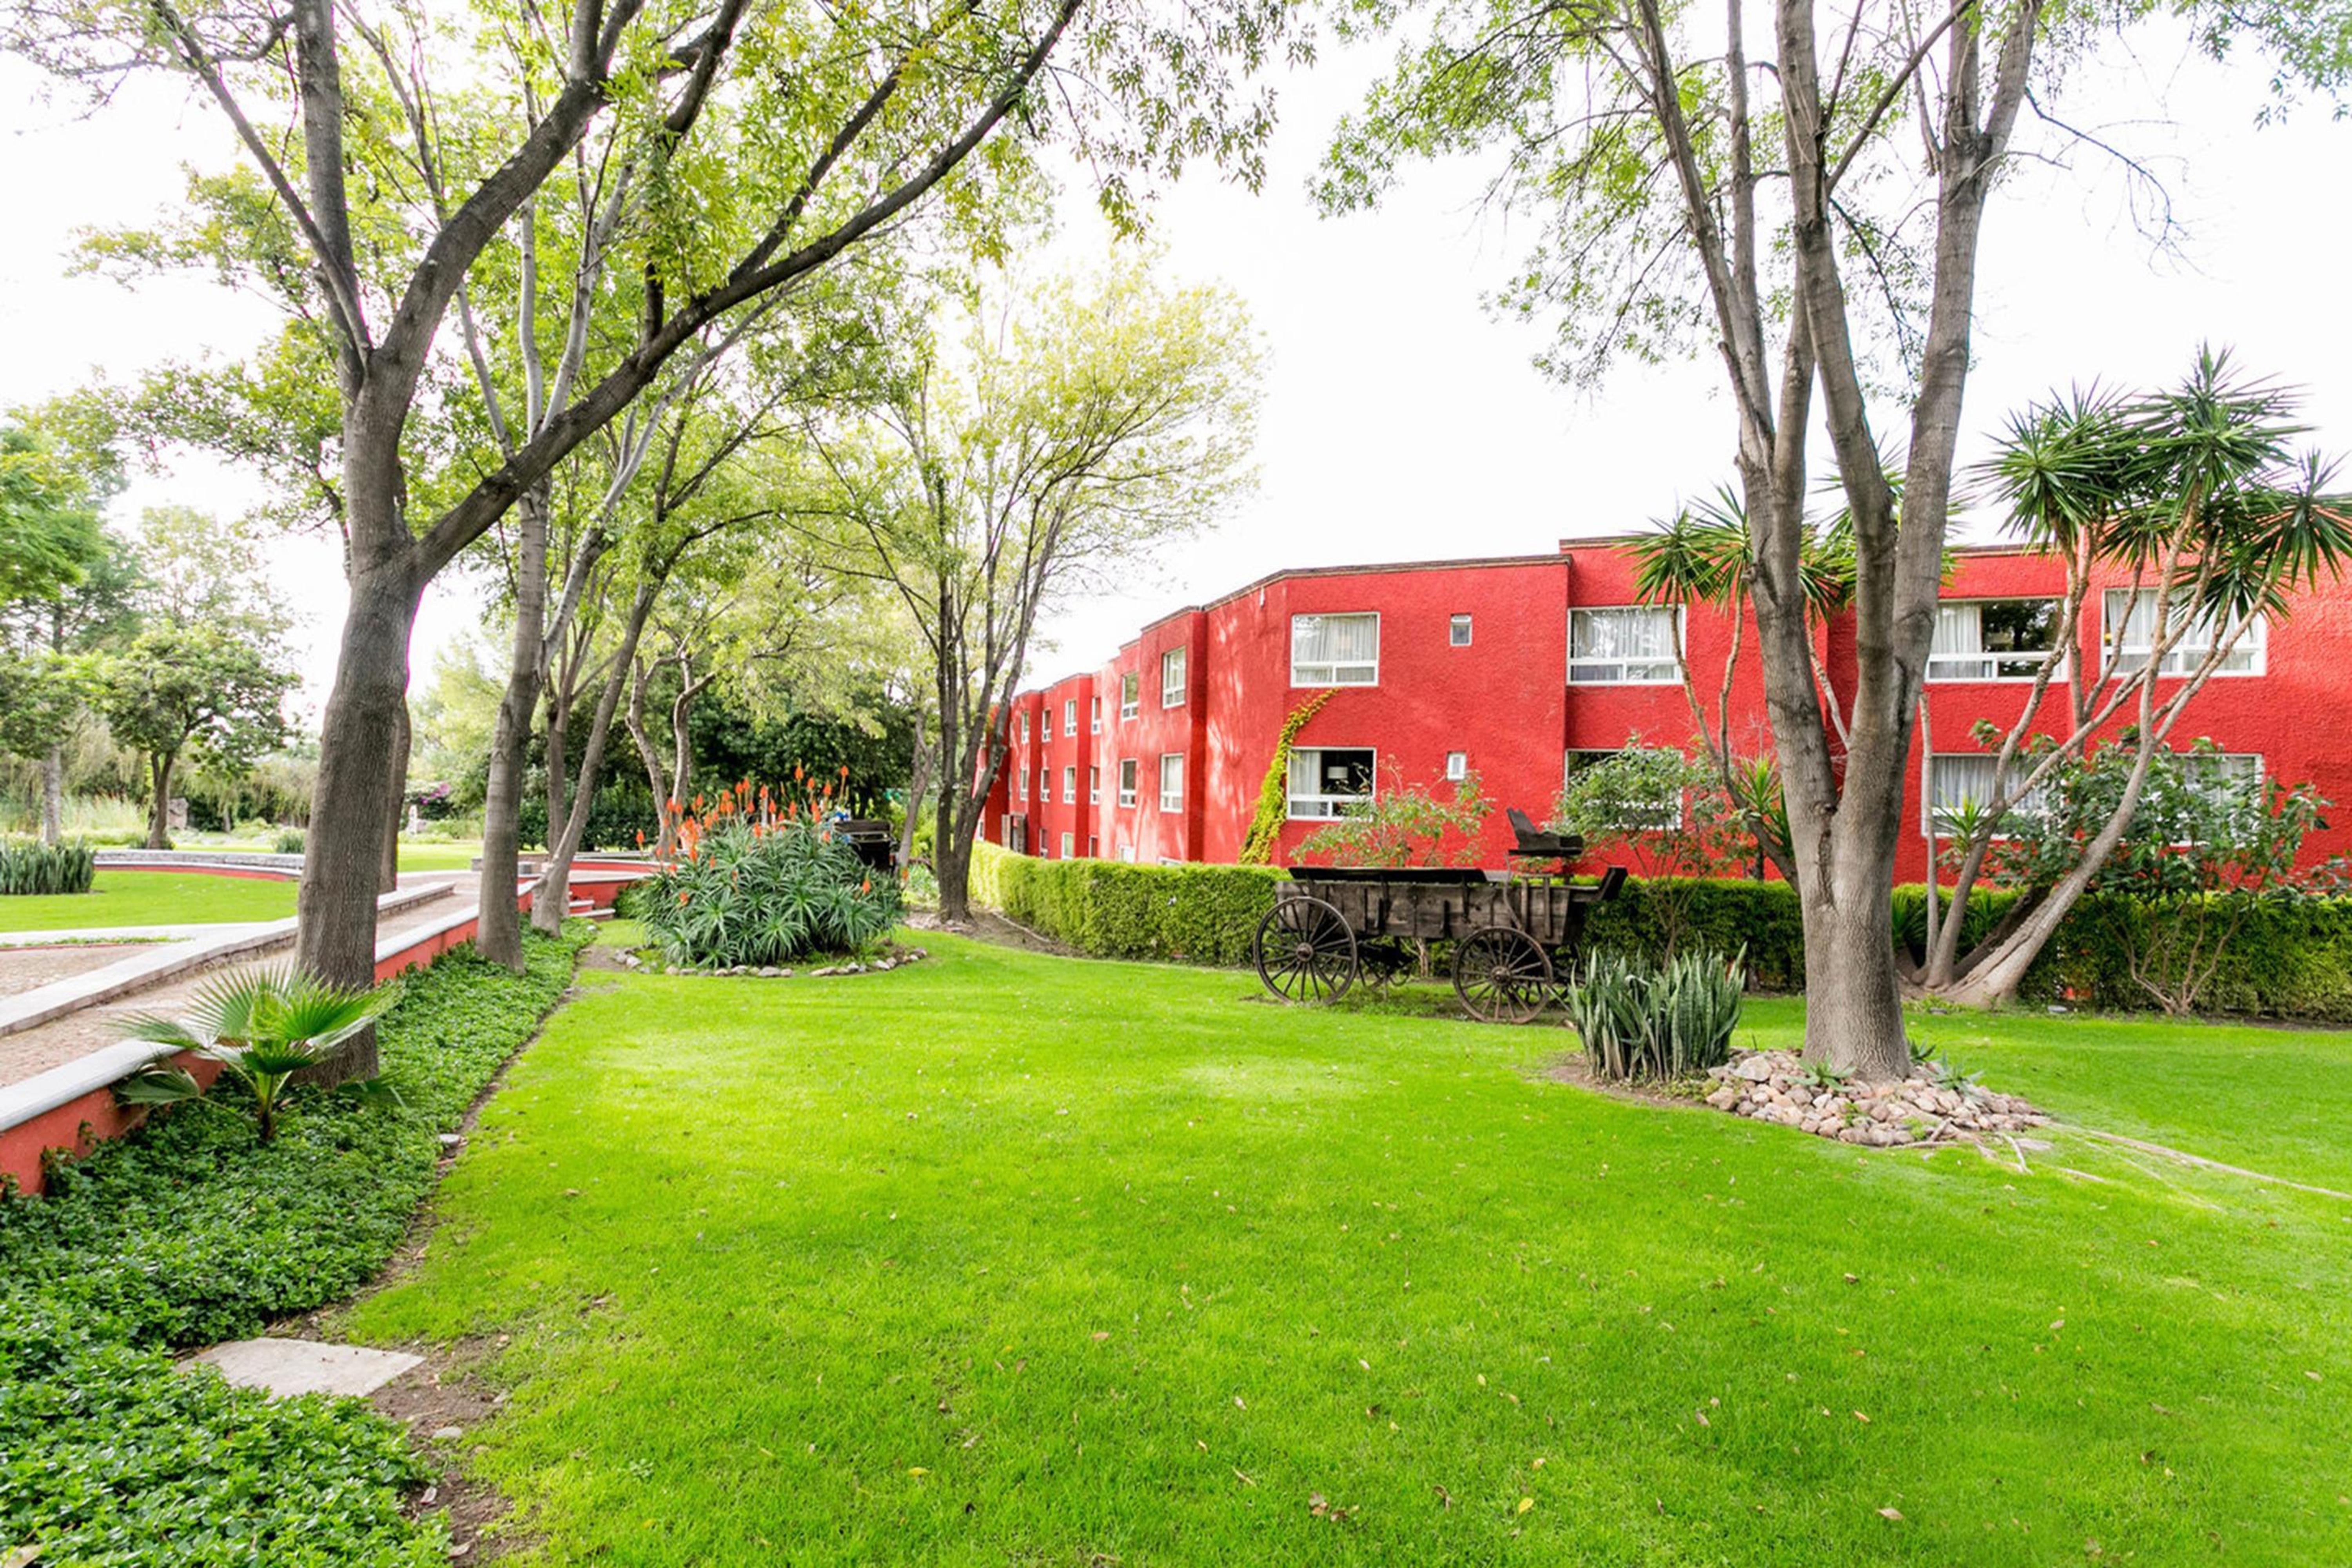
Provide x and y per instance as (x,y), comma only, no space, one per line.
(1305,951)
(1501,974)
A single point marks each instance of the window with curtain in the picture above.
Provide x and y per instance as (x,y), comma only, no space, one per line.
(1631,645)
(2130,635)
(1172,678)
(1094,786)
(1069,787)
(1130,688)
(1327,780)
(1094,716)
(1172,781)
(1993,639)
(1335,650)
(1070,716)
(1957,780)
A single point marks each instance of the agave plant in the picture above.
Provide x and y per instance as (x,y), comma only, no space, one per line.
(1639,1022)
(263,1027)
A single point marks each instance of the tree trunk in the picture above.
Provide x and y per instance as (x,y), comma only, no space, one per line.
(159,805)
(53,795)
(388,873)
(918,783)
(498,937)
(951,863)
(352,799)
(558,726)
(634,716)
(1852,990)
(553,899)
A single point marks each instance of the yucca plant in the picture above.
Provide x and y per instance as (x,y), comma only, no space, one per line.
(1637,1022)
(263,1027)
(35,868)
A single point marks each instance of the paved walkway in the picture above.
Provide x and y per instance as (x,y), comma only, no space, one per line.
(36,1049)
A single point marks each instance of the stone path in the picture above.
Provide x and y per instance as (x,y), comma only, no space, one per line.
(28,967)
(31,1051)
(286,1367)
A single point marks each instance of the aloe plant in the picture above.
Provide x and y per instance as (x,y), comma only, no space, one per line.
(263,1027)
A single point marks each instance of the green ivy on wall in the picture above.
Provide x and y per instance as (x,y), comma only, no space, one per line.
(1274,791)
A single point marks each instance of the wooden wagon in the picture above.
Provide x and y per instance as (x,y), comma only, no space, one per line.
(1515,935)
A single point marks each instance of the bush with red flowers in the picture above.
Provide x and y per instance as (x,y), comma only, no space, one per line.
(762,880)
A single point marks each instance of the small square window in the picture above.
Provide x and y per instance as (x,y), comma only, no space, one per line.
(1457,632)
(1457,765)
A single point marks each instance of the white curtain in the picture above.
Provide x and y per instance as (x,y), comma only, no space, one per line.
(1340,650)
(1633,635)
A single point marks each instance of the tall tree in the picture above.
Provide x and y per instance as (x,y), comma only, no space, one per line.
(1806,199)
(182,689)
(1091,428)
(857,115)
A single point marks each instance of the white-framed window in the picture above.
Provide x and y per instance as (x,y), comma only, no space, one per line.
(1172,781)
(1335,650)
(1960,779)
(1094,786)
(1127,768)
(1024,727)
(1172,678)
(1069,787)
(1327,780)
(1127,853)
(1069,716)
(1623,645)
(1068,843)
(1044,782)
(1994,639)
(1457,765)
(1130,694)
(1094,717)
(2128,633)
(2231,773)
(1648,815)
(1457,632)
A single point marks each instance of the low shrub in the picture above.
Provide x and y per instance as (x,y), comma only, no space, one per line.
(37,868)
(289,841)
(763,892)
(1640,1022)
(192,1230)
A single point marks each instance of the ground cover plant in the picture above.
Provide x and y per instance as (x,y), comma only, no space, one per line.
(45,870)
(193,1231)
(1025,1258)
(151,899)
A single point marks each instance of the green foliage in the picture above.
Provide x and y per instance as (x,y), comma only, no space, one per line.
(1105,909)
(1406,825)
(262,1026)
(1664,1023)
(39,869)
(289,841)
(194,1230)
(763,893)
(1274,790)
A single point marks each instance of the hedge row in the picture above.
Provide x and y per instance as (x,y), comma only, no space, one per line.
(2288,960)
(192,1230)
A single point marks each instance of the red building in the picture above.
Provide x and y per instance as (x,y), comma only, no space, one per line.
(1522,668)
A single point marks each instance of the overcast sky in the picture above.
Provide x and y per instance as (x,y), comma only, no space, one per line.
(1401,421)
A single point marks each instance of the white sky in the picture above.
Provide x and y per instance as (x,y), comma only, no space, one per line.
(1400,420)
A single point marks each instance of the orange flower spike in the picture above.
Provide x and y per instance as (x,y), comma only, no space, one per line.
(684,897)
(697,803)
(845,770)
(797,774)
(641,839)
(866,886)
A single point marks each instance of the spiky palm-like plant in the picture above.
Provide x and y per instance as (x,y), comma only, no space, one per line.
(263,1027)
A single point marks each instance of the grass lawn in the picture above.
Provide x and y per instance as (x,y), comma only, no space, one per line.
(438,854)
(149,899)
(1010,1258)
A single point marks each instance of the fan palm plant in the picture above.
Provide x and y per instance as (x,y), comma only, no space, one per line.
(263,1027)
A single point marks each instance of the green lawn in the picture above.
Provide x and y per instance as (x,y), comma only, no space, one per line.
(438,854)
(149,899)
(1009,1258)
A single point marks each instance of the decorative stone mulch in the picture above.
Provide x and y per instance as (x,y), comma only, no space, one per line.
(895,958)
(1928,1107)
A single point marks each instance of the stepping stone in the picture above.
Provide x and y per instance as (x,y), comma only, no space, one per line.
(286,1367)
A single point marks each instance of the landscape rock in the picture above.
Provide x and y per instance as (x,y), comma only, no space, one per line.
(1920,1108)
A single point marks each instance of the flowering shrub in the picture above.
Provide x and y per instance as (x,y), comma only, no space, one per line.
(756,880)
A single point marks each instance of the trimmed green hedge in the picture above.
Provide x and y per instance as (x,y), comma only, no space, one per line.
(1199,914)
(2289,960)
(192,1230)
